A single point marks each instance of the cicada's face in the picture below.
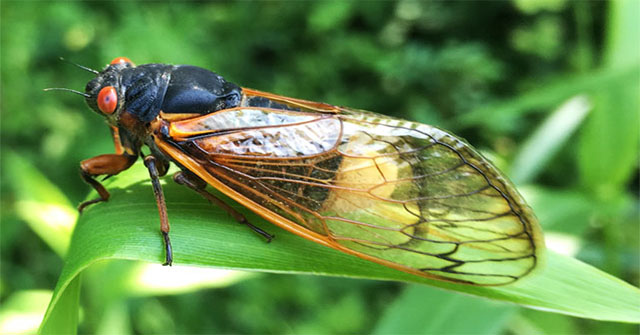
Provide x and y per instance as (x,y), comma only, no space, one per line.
(106,94)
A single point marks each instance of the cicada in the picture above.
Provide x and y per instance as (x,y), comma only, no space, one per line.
(406,195)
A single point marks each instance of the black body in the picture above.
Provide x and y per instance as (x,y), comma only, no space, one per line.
(148,89)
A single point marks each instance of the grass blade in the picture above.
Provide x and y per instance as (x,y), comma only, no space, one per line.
(127,227)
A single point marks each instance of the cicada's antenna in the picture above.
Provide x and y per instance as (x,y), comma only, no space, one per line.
(80,66)
(68,90)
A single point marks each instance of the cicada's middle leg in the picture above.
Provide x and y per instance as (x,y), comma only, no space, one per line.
(155,172)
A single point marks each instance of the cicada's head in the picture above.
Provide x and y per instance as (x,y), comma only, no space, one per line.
(105,94)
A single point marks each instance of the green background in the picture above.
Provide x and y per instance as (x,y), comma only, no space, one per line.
(494,73)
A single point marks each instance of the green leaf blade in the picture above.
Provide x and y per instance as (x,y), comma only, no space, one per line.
(127,227)
(62,314)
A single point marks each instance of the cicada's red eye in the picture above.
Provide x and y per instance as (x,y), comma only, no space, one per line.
(108,99)
(121,60)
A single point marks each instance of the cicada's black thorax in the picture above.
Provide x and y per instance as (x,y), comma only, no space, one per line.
(146,90)
(199,91)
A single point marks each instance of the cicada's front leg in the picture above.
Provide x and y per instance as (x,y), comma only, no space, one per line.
(109,165)
(117,142)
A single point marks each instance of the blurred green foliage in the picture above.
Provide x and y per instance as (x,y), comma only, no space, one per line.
(492,72)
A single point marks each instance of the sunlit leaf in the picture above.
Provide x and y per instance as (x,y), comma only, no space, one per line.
(22,312)
(40,203)
(127,228)
(63,319)
(548,138)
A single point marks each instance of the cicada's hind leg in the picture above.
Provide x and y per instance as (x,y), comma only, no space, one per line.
(195,183)
(108,165)
(155,171)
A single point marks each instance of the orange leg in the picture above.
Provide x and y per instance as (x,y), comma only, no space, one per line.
(117,143)
(110,164)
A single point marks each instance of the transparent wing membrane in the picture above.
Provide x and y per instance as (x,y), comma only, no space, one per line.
(404,194)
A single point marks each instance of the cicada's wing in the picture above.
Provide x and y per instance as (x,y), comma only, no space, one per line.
(403,194)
